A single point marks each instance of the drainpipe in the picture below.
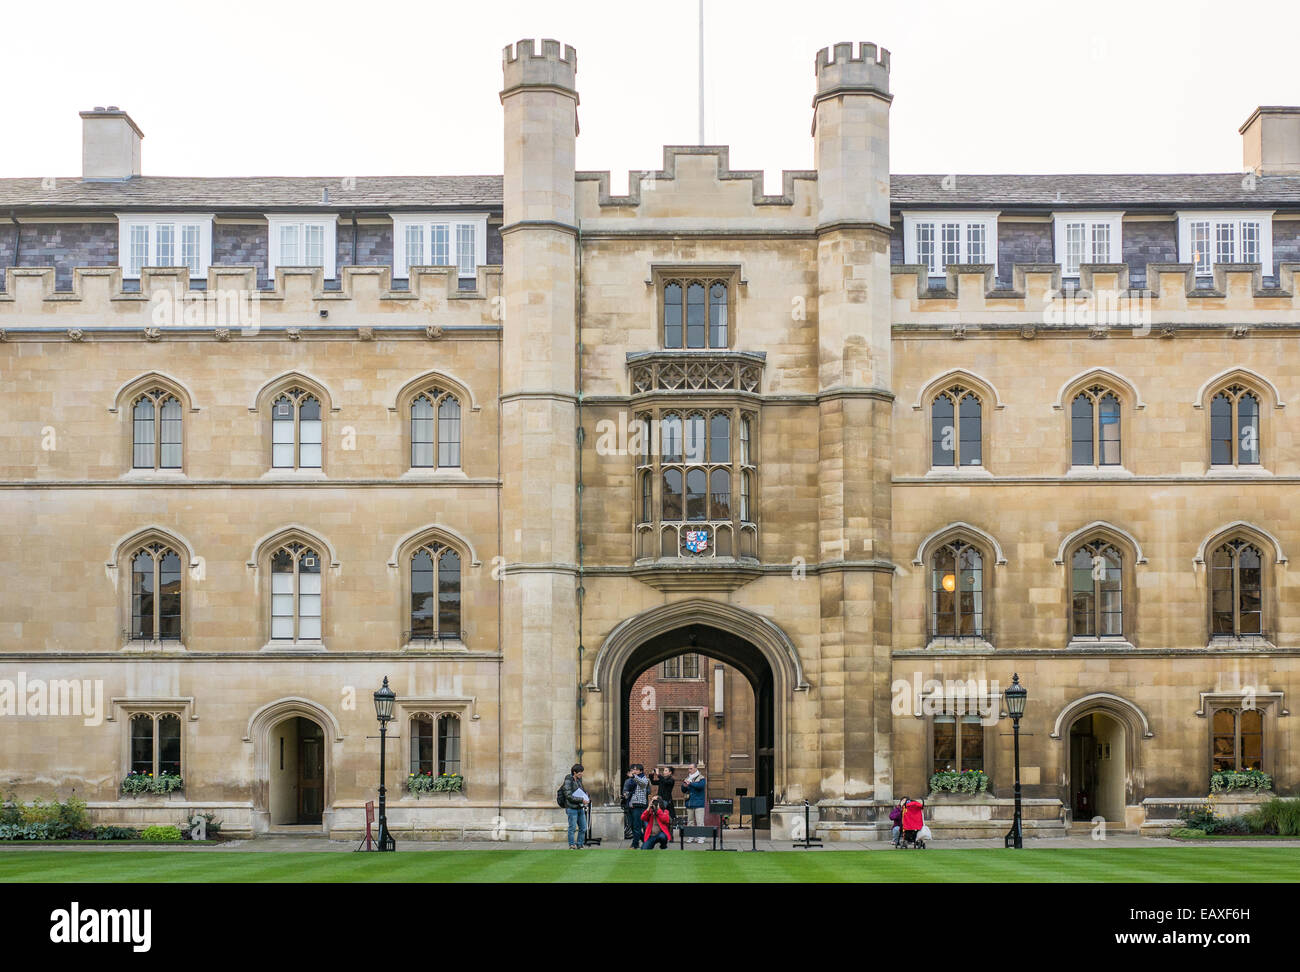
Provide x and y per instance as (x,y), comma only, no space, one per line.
(354,237)
(581,592)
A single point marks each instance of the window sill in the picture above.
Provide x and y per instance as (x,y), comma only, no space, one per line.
(450,474)
(1242,643)
(294,648)
(140,646)
(959,472)
(968,644)
(1237,472)
(1099,472)
(448,646)
(1117,644)
(154,475)
(292,475)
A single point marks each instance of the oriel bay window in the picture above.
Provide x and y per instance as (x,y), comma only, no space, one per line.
(155,594)
(958,743)
(1095,428)
(956,428)
(1097,591)
(701,462)
(1234,427)
(1236,590)
(156,425)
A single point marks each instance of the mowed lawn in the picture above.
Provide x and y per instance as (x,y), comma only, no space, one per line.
(1064,865)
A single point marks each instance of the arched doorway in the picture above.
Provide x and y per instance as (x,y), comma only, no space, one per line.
(684,711)
(749,642)
(1097,768)
(296,792)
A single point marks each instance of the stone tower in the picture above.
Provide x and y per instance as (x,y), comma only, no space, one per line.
(855,402)
(538,426)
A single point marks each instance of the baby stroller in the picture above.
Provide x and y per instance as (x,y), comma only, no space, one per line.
(914,832)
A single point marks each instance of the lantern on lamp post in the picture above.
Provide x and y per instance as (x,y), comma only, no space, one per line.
(384,699)
(1015,697)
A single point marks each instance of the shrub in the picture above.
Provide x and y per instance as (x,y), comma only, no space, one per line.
(1186,833)
(115,833)
(11,812)
(1277,816)
(1240,780)
(161,833)
(966,781)
(135,783)
(72,814)
(212,825)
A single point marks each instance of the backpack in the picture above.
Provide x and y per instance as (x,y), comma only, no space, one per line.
(559,796)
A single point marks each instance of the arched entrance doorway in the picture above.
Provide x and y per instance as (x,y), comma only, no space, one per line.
(1102,759)
(680,715)
(1097,770)
(296,795)
(749,642)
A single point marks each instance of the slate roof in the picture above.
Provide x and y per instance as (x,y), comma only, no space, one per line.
(151,193)
(387,193)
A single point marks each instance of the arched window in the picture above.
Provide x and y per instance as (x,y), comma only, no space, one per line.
(696,314)
(435,567)
(155,594)
(957,592)
(1234,427)
(156,431)
(1095,428)
(1097,591)
(296,592)
(448,745)
(647,497)
(745,487)
(670,435)
(695,441)
(744,441)
(719,437)
(1238,740)
(956,433)
(720,494)
(155,744)
(672,501)
(696,486)
(1236,590)
(296,430)
(435,445)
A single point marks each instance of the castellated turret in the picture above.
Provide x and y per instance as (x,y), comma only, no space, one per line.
(556,64)
(851,130)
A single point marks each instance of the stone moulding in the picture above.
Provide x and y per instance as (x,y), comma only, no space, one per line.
(691,577)
(725,173)
(653,371)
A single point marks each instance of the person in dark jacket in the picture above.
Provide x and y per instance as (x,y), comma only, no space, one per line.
(658,826)
(576,802)
(663,779)
(636,789)
(896,818)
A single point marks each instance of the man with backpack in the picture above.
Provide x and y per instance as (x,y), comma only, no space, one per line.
(573,798)
(635,792)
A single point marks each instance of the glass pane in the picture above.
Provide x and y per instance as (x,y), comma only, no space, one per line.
(1248,429)
(141,744)
(744,441)
(421,432)
(670,436)
(1081,431)
(943,432)
(439,245)
(142,431)
(313,236)
(718,316)
(719,437)
(171,434)
(945,744)
(972,743)
(414,246)
(673,316)
(449,433)
(422,745)
(694,442)
(943,601)
(191,252)
(695,315)
(696,484)
(169,597)
(672,494)
(720,494)
(449,594)
(422,622)
(288,246)
(466,257)
(1221,430)
(970,431)
(165,255)
(142,594)
(138,257)
(1109,421)
(448,745)
(169,744)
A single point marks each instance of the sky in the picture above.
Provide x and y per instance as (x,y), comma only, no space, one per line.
(397,88)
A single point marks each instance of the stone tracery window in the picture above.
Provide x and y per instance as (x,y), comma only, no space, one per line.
(156,430)
(956,428)
(1235,427)
(1097,590)
(435,610)
(696,312)
(296,429)
(957,594)
(435,429)
(1095,435)
(296,593)
(155,593)
(1236,590)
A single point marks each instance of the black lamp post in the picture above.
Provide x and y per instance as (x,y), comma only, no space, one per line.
(1015,700)
(384,700)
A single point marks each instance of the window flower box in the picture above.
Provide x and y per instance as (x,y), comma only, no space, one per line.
(420,783)
(1226,780)
(136,783)
(964,781)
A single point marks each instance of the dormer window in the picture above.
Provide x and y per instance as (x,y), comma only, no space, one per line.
(1206,239)
(439,240)
(1087,238)
(297,241)
(165,241)
(939,240)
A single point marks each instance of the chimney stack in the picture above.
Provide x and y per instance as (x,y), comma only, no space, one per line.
(1271,141)
(110,145)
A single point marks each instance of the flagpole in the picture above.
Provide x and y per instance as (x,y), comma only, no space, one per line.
(701,72)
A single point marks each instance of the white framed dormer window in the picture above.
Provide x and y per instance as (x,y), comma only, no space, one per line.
(1087,238)
(301,241)
(439,240)
(937,240)
(1207,238)
(164,240)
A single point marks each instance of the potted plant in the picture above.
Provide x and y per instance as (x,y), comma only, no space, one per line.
(959,781)
(1225,780)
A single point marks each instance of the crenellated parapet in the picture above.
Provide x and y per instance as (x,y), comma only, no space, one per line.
(860,67)
(1103,302)
(555,65)
(231,298)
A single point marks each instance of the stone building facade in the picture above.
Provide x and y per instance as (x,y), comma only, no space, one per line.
(876,442)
